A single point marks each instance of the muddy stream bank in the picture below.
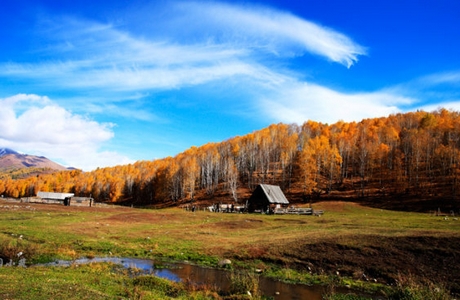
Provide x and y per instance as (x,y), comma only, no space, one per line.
(218,278)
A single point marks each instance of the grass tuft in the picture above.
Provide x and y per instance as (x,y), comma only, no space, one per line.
(168,288)
(408,288)
(244,283)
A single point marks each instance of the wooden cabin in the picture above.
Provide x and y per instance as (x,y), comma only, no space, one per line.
(267,198)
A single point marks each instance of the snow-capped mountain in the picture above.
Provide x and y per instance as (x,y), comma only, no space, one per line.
(5,151)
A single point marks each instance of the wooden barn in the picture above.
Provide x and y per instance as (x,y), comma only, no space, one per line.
(50,197)
(67,199)
(266,198)
(81,201)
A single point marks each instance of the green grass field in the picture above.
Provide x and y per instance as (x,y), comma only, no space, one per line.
(358,246)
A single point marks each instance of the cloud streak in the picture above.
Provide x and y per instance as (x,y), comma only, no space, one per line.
(302,101)
(132,66)
(267,29)
(86,54)
(430,92)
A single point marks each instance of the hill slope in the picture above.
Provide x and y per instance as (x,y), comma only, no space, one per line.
(405,161)
(10,160)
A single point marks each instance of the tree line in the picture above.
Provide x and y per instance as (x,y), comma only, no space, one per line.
(412,153)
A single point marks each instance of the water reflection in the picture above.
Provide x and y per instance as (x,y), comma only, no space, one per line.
(268,287)
(216,278)
(282,291)
(146,265)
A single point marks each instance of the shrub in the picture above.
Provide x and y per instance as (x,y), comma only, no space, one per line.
(408,289)
(169,288)
(16,249)
(244,282)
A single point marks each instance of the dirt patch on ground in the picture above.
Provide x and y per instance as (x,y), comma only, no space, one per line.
(245,224)
(337,206)
(399,203)
(118,213)
(292,222)
(379,259)
(17,205)
(135,217)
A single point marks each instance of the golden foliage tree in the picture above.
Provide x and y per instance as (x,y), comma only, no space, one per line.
(415,153)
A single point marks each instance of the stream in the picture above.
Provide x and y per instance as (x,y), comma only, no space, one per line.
(214,277)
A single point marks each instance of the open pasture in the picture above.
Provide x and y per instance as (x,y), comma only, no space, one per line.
(357,244)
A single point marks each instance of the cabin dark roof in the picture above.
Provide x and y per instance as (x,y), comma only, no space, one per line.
(274,194)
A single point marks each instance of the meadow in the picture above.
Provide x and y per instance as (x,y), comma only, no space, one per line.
(376,250)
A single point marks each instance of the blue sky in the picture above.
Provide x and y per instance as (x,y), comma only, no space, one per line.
(100,83)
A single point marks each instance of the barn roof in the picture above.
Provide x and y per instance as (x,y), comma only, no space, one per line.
(274,194)
(54,196)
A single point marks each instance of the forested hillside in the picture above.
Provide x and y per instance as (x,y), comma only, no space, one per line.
(403,156)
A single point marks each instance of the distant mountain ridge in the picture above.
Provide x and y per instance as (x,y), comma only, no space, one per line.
(10,159)
(5,151)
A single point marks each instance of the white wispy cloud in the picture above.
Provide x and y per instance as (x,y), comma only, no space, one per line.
(126,67)
(34,124)
(430,92)
(300,101)
(296,101)
(267,29)
(451,105)
(86,54)
(452,78)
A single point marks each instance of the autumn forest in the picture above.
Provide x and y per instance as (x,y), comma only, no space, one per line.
(410,155)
